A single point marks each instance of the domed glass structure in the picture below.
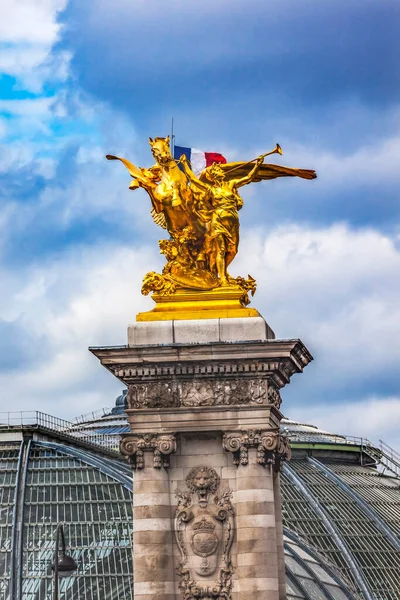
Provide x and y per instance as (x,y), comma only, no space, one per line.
(340,506)
(44,482)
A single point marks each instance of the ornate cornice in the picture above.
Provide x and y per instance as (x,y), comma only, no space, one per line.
(272,447)
(280,371)
(133,448)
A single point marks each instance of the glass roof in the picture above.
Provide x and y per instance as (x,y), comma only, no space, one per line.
(334,547)
(55,486)
(309,577)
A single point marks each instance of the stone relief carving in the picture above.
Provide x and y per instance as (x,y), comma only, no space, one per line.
(153,395)
(274,396)
(201,392)
(204,533)
(272,447)
(198,393)
(133,448)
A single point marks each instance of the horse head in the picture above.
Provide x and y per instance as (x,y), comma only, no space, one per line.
(161,151)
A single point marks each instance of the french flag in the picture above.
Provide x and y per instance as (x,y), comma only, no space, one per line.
(198,159)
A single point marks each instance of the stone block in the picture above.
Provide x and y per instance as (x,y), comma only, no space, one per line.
(152,537)
(256,521)
(245,329)
(258,584)
(254,483)
(229,473)
(255,594)
(195,460)
(255,508)
(199,332)
(201,444)
(149,499)
(252,533)
(150,332)
(155,596)
(151,525)
(141,575)
(257,558)
(148,554)
(255,571)
(152,512)
(256,545)
(175,474)
(154,587)
(144,487)
(254,495)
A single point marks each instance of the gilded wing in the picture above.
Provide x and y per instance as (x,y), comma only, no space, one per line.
(133,170)
(158,218)
(237,170)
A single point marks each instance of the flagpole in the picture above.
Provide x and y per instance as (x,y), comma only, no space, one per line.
(172,138)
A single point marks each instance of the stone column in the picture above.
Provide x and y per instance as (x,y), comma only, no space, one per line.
(259,541)
(257,559)
(279,536)
(153,568)
(204,414)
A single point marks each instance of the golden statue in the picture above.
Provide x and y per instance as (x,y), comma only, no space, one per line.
(201,217)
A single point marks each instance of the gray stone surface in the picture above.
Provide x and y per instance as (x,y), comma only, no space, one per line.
(189,332)
(152,332)
(198,332)
(237,330)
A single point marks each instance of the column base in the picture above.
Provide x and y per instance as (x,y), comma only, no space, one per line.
(222,302)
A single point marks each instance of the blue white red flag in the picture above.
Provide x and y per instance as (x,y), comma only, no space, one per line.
(198,159)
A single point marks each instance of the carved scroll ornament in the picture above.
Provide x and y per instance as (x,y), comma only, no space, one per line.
(204,533)
(272,447)
(133,448)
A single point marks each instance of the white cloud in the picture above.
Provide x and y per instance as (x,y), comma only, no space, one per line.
(376,162)
(88,297)
(338,290)
(373,418)
(30,21)
(35,107)
(29,29)
(335,288)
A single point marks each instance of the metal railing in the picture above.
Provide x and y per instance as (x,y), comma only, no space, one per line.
(22,418)
(326,438)
(389,458)
(381,455)
(73,430)
(92,415)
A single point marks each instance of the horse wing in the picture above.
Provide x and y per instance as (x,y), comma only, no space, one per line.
(158,218)
(133,170)
(237,170)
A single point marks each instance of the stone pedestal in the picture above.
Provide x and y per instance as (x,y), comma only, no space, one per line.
(204,413)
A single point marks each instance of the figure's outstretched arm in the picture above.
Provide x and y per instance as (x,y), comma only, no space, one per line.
(200,185)
(249,178)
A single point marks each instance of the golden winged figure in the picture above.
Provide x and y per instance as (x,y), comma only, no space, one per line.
(201,216)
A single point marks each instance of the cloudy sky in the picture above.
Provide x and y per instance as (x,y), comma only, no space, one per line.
(82,79)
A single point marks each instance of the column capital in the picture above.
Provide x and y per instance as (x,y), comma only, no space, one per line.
(133,448)
(272,447)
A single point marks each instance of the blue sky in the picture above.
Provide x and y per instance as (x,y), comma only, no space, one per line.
(83,79)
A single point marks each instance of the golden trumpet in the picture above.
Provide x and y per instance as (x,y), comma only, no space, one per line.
(276,150)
